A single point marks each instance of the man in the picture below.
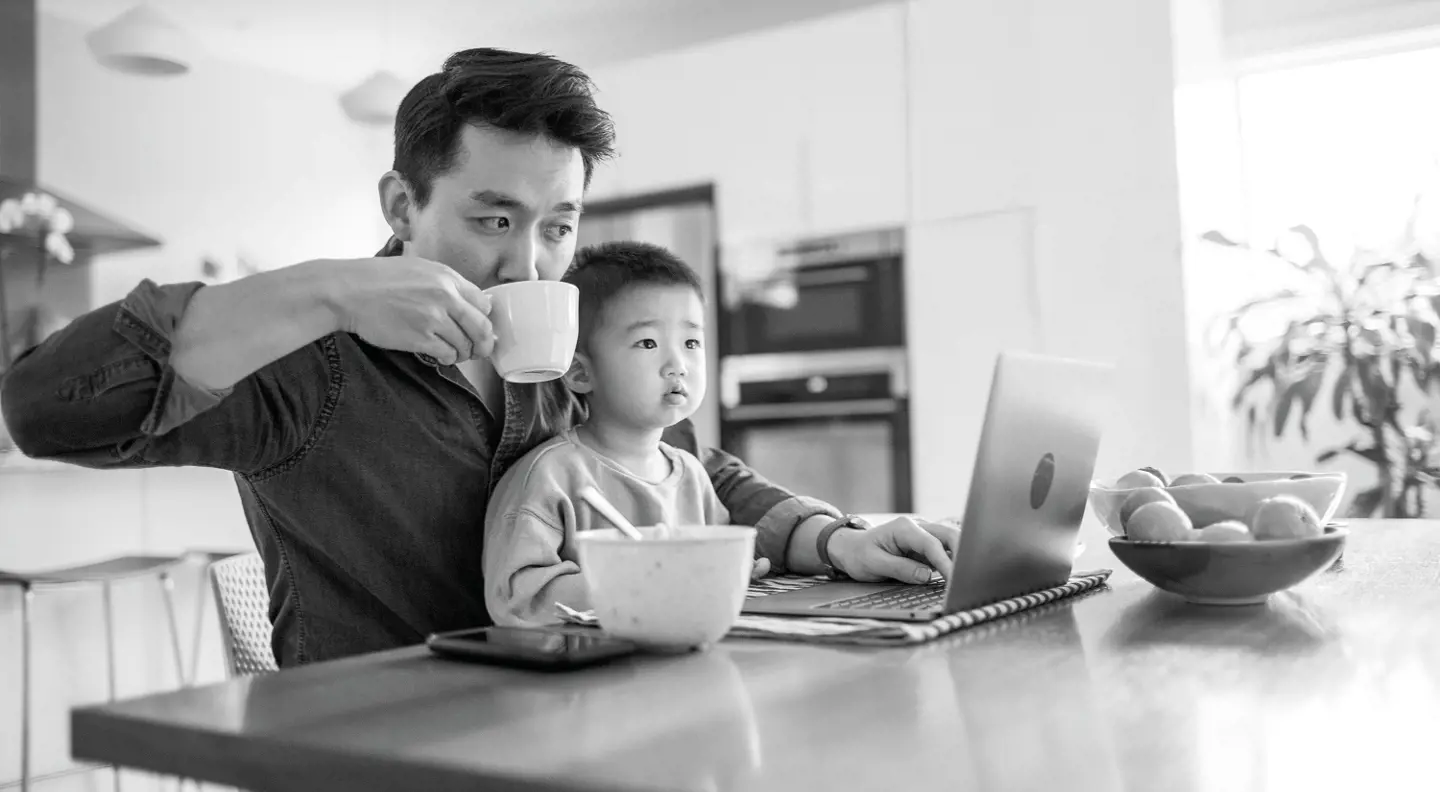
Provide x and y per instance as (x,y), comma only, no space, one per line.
(332,389)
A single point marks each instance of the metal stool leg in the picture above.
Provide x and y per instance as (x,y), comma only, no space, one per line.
(167,590)
(27,595)
(204,599)
(110,658)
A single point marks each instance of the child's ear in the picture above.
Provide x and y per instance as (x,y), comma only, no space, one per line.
(577,378)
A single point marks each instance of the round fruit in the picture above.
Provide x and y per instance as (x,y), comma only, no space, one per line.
(1226,531)
(1140,497)
(1233,480)
(1193,478)
(1139,478)
(1284,517)
(1157,474)
(1160,521)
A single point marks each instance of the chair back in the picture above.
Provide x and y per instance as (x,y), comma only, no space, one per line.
(244,606)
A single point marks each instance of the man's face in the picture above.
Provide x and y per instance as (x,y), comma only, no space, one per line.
(506,211)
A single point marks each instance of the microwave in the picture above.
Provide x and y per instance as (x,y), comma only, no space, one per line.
(839,292)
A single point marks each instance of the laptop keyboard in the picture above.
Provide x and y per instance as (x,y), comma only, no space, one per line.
(929,595)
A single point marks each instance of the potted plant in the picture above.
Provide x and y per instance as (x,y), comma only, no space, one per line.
(1360,341)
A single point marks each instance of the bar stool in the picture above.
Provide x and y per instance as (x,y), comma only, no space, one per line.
(206,559)
(105,574)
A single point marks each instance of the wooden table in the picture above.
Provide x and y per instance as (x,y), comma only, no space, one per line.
(1333,686)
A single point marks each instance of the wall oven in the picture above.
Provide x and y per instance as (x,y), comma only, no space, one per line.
(835,293)
(832,425)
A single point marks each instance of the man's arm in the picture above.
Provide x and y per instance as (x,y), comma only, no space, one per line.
(104,392)
(111,388)
(790,525)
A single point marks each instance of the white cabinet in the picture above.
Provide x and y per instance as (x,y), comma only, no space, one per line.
(970,294)
(854,142)
(801,128)
(972,106)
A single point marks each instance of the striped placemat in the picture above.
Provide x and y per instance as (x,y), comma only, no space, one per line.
(870,632)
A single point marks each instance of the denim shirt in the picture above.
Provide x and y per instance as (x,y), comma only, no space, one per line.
(364,473)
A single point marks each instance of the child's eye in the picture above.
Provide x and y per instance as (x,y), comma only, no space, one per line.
(693,343)
(646,343)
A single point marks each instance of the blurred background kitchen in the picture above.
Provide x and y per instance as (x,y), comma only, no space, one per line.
(879,195)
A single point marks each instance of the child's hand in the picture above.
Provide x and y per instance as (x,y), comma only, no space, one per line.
(760,569)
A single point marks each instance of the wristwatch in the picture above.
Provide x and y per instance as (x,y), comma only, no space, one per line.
(822,542)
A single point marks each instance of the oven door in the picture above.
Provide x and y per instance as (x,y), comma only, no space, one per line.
(854,455)
(838,294)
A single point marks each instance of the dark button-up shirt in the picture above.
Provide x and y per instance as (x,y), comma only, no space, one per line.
(364,473)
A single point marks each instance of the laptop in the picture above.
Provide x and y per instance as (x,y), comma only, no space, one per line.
(1027,498)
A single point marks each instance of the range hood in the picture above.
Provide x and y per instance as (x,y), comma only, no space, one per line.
(94,232)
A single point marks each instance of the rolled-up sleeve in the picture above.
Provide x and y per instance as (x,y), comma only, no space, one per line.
(147,319)
(102,393)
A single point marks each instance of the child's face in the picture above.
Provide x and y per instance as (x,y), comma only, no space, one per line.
(646,358)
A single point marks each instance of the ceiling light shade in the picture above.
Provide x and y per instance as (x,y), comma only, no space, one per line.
(143,41)
(375,101)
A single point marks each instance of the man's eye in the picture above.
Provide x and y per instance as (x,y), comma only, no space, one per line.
(646,343)
(493,223)
(562,230)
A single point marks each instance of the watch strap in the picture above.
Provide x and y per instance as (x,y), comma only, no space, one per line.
(822,542)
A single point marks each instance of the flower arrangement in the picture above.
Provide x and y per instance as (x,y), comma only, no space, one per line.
(37,221)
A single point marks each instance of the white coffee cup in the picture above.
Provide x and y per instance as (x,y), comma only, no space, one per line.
(536,326)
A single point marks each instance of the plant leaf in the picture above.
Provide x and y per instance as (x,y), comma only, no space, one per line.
(1219,239)
(1375,455)
(1283,401)
(1317,259)
(1306,390)
(1424,333)
(1254,378)
(1367,502)
(1342,388)
(1327,455)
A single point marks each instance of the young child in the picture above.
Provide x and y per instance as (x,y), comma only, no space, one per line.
(639,368)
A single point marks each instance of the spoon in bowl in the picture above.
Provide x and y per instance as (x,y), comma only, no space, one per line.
(598,502)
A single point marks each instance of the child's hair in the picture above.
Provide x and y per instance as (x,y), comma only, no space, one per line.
(602,273)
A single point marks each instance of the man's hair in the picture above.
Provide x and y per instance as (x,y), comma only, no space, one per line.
(511,91)
(602,273)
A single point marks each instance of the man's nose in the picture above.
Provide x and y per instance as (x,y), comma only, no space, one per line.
(520,262)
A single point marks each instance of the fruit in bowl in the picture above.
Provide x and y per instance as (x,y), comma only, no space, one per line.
(1211,498)
(1227,539)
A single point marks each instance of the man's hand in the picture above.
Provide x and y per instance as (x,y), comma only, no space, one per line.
(902,549)
(412,305)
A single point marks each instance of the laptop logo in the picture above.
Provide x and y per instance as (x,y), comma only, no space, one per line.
(1041,482)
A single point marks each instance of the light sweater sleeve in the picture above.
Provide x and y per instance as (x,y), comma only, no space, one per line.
(529,539)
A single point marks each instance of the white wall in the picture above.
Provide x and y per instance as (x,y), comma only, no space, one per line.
(1028,147)
(227,160)
(1264,28)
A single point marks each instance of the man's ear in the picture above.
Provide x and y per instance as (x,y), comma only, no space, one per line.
(397,203)
(577,378)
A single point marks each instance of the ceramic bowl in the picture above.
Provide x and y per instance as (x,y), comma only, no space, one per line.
(1237,573)
(1211,503)
(670,592)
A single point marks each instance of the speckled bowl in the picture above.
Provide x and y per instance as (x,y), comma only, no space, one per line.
(1211,503)
(668,592)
